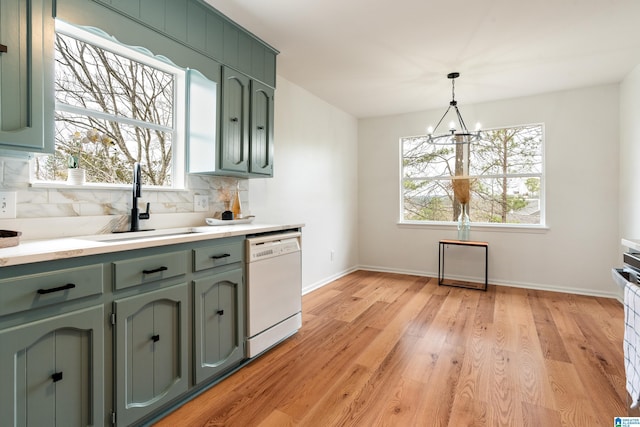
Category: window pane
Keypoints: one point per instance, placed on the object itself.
(505, 200)
(428, 200)
(112, 111)
(92, 78)
(427, 160)
(507, 151)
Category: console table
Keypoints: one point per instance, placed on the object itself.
(443, 245)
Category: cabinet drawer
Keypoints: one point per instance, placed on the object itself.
(137, 271)
(217, 255)
(54, 287)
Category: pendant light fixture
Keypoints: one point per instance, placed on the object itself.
(457, 134)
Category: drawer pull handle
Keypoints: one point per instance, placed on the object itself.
(220, 312)
(56, 377)
(220, 256)
(155, 270)
(155, 338)
(58, 289)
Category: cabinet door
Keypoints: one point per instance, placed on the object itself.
(52, 371)
(218, 323)
(26, 75)
(234, 142)
(151, 351)
(261, 129)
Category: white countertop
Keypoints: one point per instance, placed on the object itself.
(631, 244)
(47, 250)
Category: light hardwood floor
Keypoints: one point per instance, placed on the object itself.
(379, 349)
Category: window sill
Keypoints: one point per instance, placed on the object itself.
(508, 228)
(109, 187)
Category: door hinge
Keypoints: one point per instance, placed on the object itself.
(113, 318)
(113, 417)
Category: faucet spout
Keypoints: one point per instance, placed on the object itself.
(136, 216)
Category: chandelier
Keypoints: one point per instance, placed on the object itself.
(455, 135)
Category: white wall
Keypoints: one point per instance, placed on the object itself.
(315, 182)
(581, 244)
(630, 155)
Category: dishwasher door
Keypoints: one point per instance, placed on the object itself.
(273, 290)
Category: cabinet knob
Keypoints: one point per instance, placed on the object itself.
(220, 312)
(155, 338)
(260, 127)
(56, 377)
(3, 48)
(234, 119)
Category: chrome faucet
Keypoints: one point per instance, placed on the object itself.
(136, 216)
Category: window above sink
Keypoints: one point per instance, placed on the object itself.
(115, 105)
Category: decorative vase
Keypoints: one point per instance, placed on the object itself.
(236, 207)
(464, 224)
(75, 176)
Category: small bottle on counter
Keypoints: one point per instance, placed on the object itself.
(236, 208)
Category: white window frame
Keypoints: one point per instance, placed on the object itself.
(489, 225)
(99, 38)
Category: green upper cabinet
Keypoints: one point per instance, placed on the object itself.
(261, 143)
(244, 146)
(197, 25)
(26, 75)
(234, 141)
(230, 120)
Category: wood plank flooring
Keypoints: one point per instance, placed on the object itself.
(379, 349)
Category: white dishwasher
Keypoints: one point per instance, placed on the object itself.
(274, 289)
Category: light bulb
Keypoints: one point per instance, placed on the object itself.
(478, 127)
(452, 126)
(430, 130)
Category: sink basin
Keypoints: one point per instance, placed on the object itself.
(129, 236)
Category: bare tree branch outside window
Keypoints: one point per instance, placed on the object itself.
(505, 168)
(130, 103)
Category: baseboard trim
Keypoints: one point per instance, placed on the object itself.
(523, 285)
(327, 280)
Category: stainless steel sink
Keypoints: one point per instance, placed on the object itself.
(129, 236)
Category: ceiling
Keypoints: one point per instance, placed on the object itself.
(383, 57)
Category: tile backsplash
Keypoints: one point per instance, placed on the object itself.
(59, 211)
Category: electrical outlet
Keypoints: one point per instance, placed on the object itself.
(200, 203)
(8, 204)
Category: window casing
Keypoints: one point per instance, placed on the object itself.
(506, 172)
(132, 102)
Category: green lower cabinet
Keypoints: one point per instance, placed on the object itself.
(52, 371)
(218, 323)
(151, 361)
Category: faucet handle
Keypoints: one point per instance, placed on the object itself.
(145, 215)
